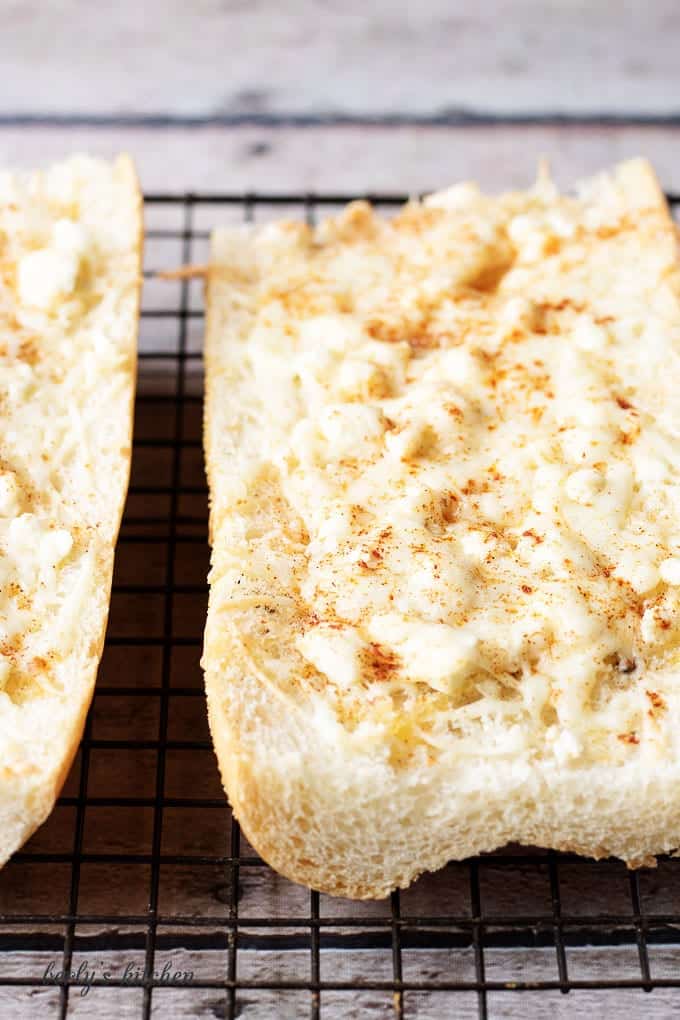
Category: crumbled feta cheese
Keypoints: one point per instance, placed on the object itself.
(335, 652)
(46, 274)
(670, 570)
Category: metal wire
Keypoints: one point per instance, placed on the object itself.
(481, 926)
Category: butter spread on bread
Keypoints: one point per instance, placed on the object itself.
(70, 245)
(444, 463)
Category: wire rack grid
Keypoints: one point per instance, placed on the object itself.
(141, 898)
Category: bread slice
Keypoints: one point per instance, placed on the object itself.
(70, 248)
(443, 454)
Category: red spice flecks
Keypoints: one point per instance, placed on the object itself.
(656, 700)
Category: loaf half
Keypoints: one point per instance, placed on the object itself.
(70, 247)
(443, 454)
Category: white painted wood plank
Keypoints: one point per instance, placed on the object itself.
(264, 1004)
(632, 1004)
(311, 56)
(348, 158)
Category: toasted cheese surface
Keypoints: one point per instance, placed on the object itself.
(69, 253)
(446, 483)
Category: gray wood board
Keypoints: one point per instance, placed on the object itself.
(354, 159)
(311, 57)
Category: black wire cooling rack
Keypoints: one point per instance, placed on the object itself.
(140, 897)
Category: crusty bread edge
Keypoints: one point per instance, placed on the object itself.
(25, 806)
(295, 817)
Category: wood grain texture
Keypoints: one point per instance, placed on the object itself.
(264, 1004)
(350, 159)
(309, 57)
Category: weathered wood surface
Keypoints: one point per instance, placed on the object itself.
(350, 159)
(310, 57)
(23, 1004)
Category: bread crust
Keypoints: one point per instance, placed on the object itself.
(28, 794)
(327, 814)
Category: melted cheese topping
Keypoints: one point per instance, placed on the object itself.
(453, 468)
(67, 296)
